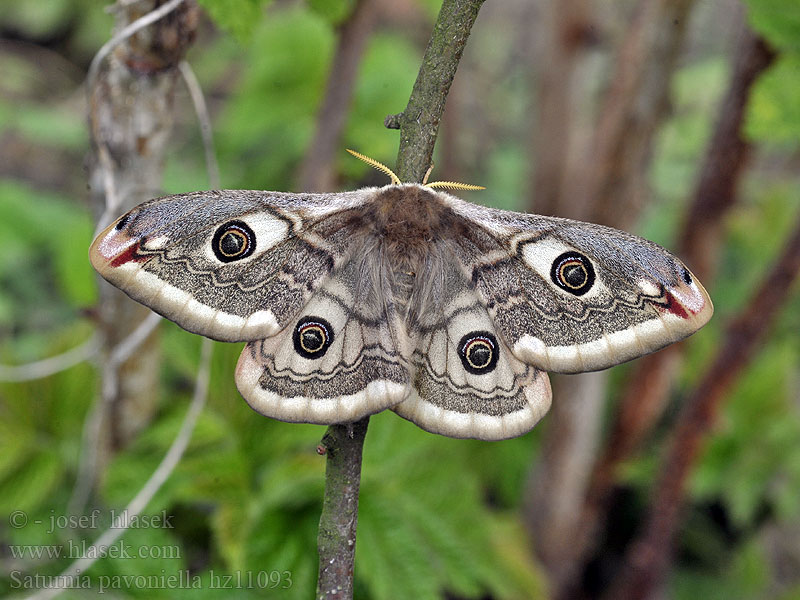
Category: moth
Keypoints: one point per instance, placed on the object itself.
(400, 297)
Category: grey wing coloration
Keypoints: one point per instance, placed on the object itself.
(230, 265)
(339, 361)
(245, 266)
(569, 297)
(399, 297)
(467, 383)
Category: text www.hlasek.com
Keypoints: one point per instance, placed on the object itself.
(76, 550)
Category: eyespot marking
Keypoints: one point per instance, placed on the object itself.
(478, 352)
(573, 272)
(233, 241)
(312, 337)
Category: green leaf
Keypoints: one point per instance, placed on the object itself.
(777, 20)
(747, 459)
(333, 11)
(15, 443)
(773, 113)
(239, 17)
(40, 226)
(267, 125)
(31, 484)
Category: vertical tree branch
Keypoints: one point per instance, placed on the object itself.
(556, 487)
(635, 108)
(336, 542)
(343, 444)
(419, 122)
(725, 160)
(565, 30)
(648, 556)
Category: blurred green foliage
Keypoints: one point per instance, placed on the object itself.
(239, 17)
(436, 514)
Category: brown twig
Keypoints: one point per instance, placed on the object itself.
(648, 556)
(336, 542)
(643, 401)
(564, 31)
(725, 160)
(634, 107)
(601, 182)
(343, 444)
(316, 172)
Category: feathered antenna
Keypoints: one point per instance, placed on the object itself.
(448, 185)
(375, 164)
(454, 185)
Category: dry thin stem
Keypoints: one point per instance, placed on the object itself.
(124, 349)
(204, 120)
(127, 32)
(130, 91)
(112, 199)
(90, 441)
(94, 422)
(50, 366)
(92, 429)
(153, 484)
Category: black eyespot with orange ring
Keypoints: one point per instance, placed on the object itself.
(233, 241)
(312, 337)
(478, 352)
(573, 272)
